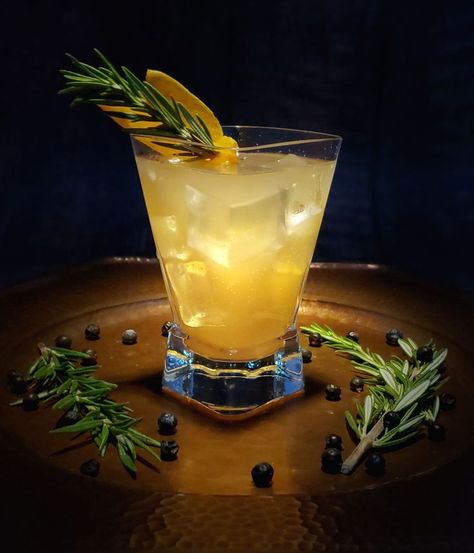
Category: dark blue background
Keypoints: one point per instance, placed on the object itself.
(395, 79)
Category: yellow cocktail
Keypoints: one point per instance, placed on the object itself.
(235, 242)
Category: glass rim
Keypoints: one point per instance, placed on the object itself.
(314, 137)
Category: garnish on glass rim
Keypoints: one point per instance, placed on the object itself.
(159, 111)
(405, 387)
(60, 383)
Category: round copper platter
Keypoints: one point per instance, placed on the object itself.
(205, 501)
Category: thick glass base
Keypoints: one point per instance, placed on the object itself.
(233, 389)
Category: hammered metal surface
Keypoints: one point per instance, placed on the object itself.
(205, 502)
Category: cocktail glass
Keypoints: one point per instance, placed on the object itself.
(235, 242)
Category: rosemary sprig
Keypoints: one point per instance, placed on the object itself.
(406, 386)
(173, 125)
(60, 383)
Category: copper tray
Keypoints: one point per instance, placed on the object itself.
(205, 501)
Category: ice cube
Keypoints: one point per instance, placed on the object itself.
(298, 212)
(170, 222)
(303, 200)
(234, 227)
(168, 238)
(192, 288)
(291, 160)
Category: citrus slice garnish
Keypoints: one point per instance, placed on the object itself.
(174, 90)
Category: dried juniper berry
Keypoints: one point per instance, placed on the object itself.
(391, 419)
(392, 336)
(92, 332)
(306, 355)
(375, 464)
(436, 432)
(167, 423)
(447, 401)
(165, 329)
(18, 385)
(129, 337)
(333, 392)
(353, 335)
(63, 341)
(315, 340)
(30, 402)
(12, 375)
(90, 468)
(169, 450)
(91, 360)
(331, 460)
(333, 441)
(424, 354)
(262, 475)
(442, 368)
(357, 384)
(69, 417)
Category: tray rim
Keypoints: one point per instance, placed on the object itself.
(405, 276)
